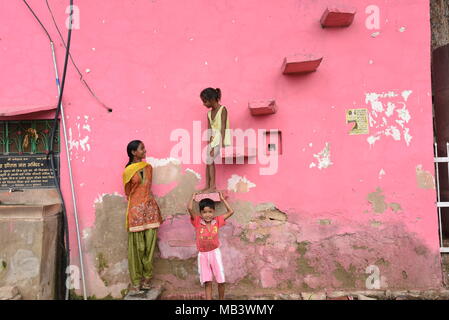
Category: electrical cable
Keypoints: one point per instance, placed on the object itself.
(66, 245)
(60, 110)
(73, 62)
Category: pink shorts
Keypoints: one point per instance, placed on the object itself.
(209, 263)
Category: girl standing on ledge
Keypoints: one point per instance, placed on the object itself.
(218, 126)
(143, 217)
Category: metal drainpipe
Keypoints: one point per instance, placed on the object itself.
(80, 250)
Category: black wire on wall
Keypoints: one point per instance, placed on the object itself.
(66, 262)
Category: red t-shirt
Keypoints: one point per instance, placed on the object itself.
(207, 240)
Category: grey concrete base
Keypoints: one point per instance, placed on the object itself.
(28, 254)
(152, 294)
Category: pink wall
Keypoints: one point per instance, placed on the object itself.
(149, 60)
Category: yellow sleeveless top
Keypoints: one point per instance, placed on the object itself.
(216, 129)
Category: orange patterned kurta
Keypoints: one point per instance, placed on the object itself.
(143, 210)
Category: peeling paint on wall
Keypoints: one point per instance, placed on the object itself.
(99, 198)
(269, 250)
(322, 158)
(375, 224)
(395, 207)
(175, 200)
(239, 184)
(82, 140)
(166, 170)
(378, 204)
(377, 200)
(155, 162)
(194, 172)
(424, 179)
(383, 107)
(106, 244)
(83, 143)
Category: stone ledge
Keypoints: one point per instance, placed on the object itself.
(337, 17)
(301, 64)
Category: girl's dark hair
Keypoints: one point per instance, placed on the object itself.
(211, 94)
(132, 146)
(207, 202)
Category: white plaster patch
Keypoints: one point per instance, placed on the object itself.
(406, 93)
(99, 198)
(401, 29)
(323, 158)
(87, 70)
(82, 142)
(390, 109)
(194, 172)
(394, 132)
(403, 114)
(375, 34)
(372, 139)
(235, 182)
(162, 162)
(381, 173)
(407, 136)
(86, 233)
(387, 118)
(78, 143)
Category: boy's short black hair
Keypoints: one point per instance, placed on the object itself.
(207, 202)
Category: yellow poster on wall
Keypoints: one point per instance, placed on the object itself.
(360, 118)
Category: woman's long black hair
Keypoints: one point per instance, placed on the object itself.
(132, 146)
